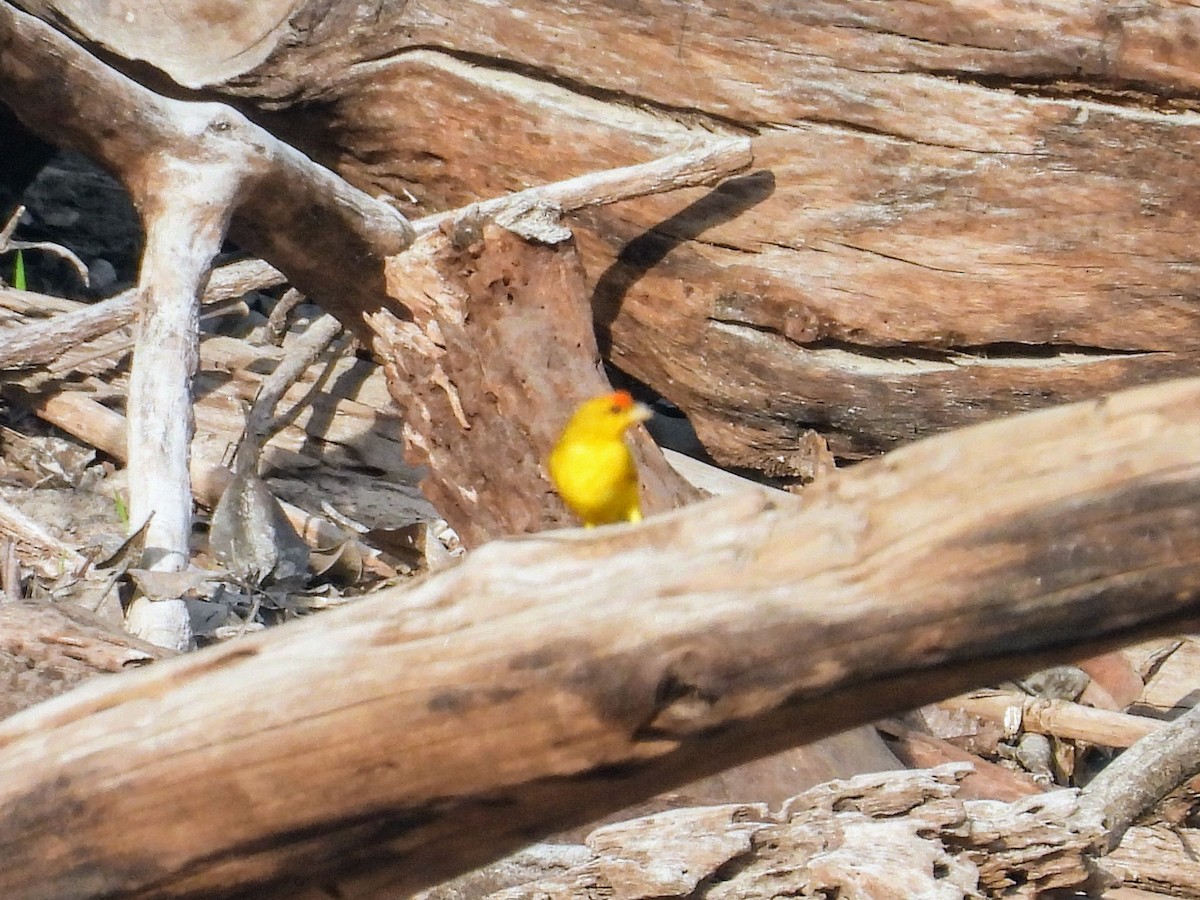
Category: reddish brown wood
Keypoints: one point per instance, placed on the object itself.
(961, 209)
(497, 353)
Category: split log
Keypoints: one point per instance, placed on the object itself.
(957, 213)
(550, 678)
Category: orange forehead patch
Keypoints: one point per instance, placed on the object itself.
(621, 400)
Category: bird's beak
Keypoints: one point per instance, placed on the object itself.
(640, 412)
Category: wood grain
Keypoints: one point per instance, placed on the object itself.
(961, 209)
(550, 678)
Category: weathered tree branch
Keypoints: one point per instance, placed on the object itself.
(65, 94)
(550, 678)
(189, 168)
(1144, 774)
(43, 342)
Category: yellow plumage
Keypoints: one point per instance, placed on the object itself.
(591, 465)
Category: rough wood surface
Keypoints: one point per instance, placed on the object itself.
(47, 649)
(550, 678)
(960, 210)
(496, 351)
(896, 836)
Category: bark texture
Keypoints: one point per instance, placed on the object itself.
(961, 209)
(548, 679)
(499, 348)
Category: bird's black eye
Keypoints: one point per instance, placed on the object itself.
(615, 409)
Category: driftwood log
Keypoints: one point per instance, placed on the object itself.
(956, 212)
(550, 678)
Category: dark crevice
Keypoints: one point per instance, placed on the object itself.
(1127, 93)
(860, 128)
(950, 353)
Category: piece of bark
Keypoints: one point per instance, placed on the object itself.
(496, 352)
(46, 649)
(901, 835)
(1171, 685)
(1115, 684)
(548, 679)
(1128, 893)
(46, 553)
(1158, 858)
(987, 780)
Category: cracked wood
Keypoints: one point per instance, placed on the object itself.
(550, 678)
(949, 176)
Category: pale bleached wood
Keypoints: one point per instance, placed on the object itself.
(190, 168)
(549, 678)
(1158, 858)
(1060, 718)
(106, 430)
(44, 342)
(59, 90)
(1145, 773)
(1170, 689)
(707, 164)
(186, 206)
(261, 422)
(50, 556)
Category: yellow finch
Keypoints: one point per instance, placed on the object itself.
(591, 464)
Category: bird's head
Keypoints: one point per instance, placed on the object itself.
(608, 416)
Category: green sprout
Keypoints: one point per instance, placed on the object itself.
(122, 509)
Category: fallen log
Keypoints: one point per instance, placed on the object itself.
(548, 679)
(956, 212)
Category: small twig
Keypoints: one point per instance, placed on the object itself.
(687, 168)
(1059, 718)
(277, 321)
(10, 572)
(10, 226)
(1139, 778)
(43, 342)
(7, 243)
(260, 422)
(58, 250)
